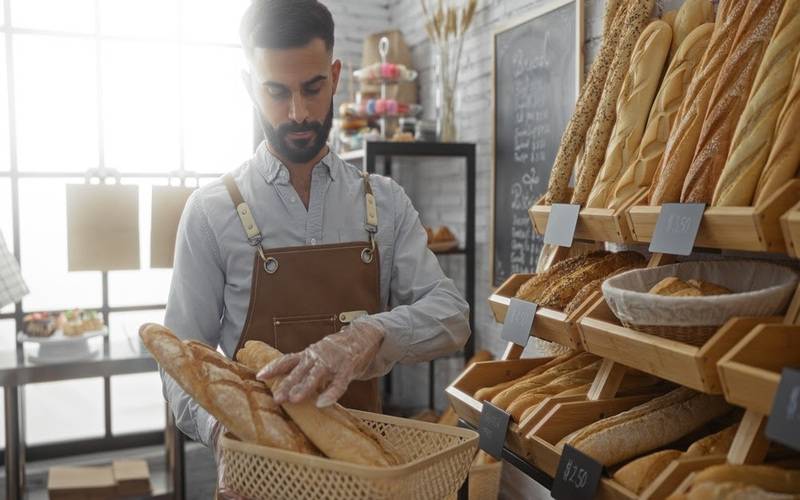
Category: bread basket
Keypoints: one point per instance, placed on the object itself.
(436, 459)
(760, 289)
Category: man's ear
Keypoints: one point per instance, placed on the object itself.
(336, 72)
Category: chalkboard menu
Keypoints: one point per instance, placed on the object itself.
(537, 73)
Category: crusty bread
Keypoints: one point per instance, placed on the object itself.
(770, 478)
(756, 128)
(537, 285)
(633, 107)
(337, 433)
(563, 383)
(708, 288)
(692, 14)
(668, 286)
(636, 20)
(682, 142)
(718, 443)
(227, 390)
(575, 132)
(731, 491)
(662, 115)
(668, 16)
(508, 395)
(784, 156)
(487, 393)
(638, 474)
(647, 427)
(728, 100)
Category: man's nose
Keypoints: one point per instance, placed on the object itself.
(298, 111)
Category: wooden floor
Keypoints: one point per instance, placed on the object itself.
(201, 473)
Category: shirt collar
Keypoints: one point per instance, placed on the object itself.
(274, 170)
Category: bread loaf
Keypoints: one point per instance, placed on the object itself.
(784, 156)
(708, 288)
(665, 108)
(755, 131)
(337, 433)
(640, 473)
(575, 132)
(669, 18)
(487, 393)
(563, 383)
(767, 477)
(682, 142)
(648, 426)
(731, 491)
(692, 14)
(227, 390)
(596, 143)
(537, 286)
(633, 107)
(729, 99)
(715, 444)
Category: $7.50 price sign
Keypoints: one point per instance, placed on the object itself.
(575, 475)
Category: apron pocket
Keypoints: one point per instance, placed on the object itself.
(295, 333)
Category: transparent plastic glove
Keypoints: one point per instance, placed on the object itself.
(223, 493)
(326, 367)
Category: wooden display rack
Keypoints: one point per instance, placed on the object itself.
(790, 224)
(594, 224)
(755, 229)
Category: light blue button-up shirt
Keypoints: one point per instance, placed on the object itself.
(425, 317)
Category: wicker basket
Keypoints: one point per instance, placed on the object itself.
(692, 335)
(436, 462)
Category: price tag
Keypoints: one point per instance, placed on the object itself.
(676, 228)
(577, 476)
(783, 425)
(561, 224)
(492, 429)
(519, 321)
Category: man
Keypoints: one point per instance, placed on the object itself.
(299, 249)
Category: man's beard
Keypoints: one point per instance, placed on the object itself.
(298, 151)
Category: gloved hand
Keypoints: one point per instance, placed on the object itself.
(325, 367)
(223, 493)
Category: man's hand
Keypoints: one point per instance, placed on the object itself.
(326, 367)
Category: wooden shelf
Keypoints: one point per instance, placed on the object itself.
(684, 364)
(790, 224)
(731, 228)
(548, 324)
(751, 371)
(594, 224)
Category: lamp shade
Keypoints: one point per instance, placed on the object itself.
(12, 287)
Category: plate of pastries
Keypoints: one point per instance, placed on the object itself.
(63, 326)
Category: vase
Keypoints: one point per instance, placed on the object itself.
(446, 81)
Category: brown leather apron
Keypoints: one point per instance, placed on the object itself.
(298, 295)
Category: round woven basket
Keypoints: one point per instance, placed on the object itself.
(436, 459)
(692, 335)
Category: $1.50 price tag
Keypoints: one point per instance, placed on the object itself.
(519, 321)
(676, 228)
(577, 476)
(784, 420)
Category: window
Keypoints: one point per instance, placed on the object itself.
(146, 88)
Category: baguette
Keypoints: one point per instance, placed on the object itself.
(770, 478)
(647, 427)
(593, 287)
(575, 132)
(566, 382)
(692, 14)
(536, 286)
(729, 99)
(488, 393)
(680, 147)
(597, 141)
(732, 491)
(225, 389)
(715, 444)
(669, 18)
(662, 116)
(507, 396)
(756, 128)
(638, 474)
(633, 107)
(784, 156)
(337, 433)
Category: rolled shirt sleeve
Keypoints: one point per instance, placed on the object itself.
(428, 317)
(194, 308)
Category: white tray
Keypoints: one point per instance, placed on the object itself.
(58, 337)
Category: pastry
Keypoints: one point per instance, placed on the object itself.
(39, 324)
(728, 100)
(756, 130)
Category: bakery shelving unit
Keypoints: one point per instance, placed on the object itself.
(390, 150)
(742, 360)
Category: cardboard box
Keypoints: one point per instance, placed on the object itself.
(81, 483)
(132, 477)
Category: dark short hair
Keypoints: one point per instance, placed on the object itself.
(285, 24)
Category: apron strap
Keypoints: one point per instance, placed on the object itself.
(371, 222)
(243, 211)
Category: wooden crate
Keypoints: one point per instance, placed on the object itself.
(751, 371)
(731, 228)
(790, 224)
(694, 367)
(548, 324)
(676, 473)
(594, 224)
